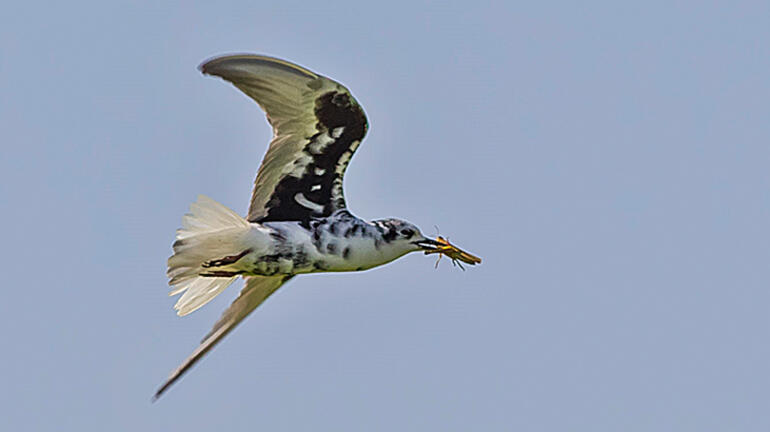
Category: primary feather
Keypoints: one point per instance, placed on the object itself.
(257, 290)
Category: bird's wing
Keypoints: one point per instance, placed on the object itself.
(317, 126)
(257, 289)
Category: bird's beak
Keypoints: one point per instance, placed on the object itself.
(427, 244)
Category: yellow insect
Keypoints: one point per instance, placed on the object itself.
(454, 253)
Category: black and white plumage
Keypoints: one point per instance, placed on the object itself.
(317, 127)
(297, 221)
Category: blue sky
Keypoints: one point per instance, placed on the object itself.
(609, 162)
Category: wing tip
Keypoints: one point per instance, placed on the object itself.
(222, 64)
(162, 389)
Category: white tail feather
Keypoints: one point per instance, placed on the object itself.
(210, 231)
(200, 291)
(207, 216)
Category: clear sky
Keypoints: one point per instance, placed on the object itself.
(610, 163)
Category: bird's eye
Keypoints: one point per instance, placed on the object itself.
(407, 232)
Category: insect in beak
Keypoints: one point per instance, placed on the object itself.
(442, 247)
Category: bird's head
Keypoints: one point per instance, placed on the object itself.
(401, 233)
(408, 236)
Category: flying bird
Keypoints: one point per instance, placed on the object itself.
(297, 221)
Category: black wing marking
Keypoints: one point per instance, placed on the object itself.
(317, 126)
(321, 180)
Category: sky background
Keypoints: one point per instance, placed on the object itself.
(609, 162)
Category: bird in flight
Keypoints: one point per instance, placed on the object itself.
(298, 221)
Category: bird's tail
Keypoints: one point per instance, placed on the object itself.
(212, 238)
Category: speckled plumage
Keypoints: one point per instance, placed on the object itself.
(338, 243)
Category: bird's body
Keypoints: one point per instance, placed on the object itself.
(298, 221)
(339, 243)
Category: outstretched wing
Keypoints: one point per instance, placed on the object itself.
(317, 126)
(257, 289)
